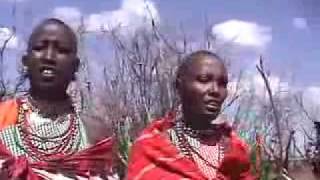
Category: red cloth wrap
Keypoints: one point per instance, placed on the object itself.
(153, 156)
(96, 159)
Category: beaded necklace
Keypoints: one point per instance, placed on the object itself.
(184, 137)
(61, 136)
(52, 110)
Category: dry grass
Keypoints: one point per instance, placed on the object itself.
(303, 172)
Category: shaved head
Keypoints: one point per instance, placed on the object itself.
(201, 82)
(55, 21)
(188, 60)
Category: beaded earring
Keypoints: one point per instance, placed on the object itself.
(25, 71)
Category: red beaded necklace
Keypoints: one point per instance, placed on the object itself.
(36, 145)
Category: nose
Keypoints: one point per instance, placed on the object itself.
(214, 89)
(50, 53)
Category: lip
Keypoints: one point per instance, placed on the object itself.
(48, 72)
(212, 108)
(213, 105)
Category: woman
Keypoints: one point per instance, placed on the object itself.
(193, 143)
(41, 133)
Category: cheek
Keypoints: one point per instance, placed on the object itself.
(33, 59)
(67, 61)
(66, 65)
(33, 66)
(193, 94)
(35, 54)
(224, 93)
(200, 89)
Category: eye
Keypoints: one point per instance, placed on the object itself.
(204, 78)
(223, 83)
(64, 50)
(38, 47)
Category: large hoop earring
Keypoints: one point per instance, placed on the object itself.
(25, 71)
(74, 77)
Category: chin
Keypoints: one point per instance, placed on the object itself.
(211, 114)
(207, 118)
(47, 85)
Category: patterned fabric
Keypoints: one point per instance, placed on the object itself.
(11, 137)
(95, 160)
(154, 156)
(211, 153)
(83, 162)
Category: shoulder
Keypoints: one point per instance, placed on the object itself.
(7, 104)
(239, 143)
(8, 113)
(154, 135)
(157, 126)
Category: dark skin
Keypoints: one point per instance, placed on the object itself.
(202, 88)
(53, 46)
(52, 61)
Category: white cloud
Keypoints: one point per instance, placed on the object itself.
(132, 15)
(300, 23)
(253, 83)
(5, 34)
(276, 84)
(312, 94)
(70, 15)
(311, 101)
(243, 33)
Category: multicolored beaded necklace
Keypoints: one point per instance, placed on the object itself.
(190, 144)
(61, 137)
(182, 132)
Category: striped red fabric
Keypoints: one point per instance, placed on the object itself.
(96, 160)
(153, 156)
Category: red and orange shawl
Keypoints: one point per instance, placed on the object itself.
(153, 156)
(93, 160)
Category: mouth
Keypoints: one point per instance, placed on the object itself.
(48, 72)
(213, 106)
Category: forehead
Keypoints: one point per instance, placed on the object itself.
(53, 31)
(207, 65)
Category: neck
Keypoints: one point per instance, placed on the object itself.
(207, 132)
(197, 122)
(51, 104)
(48, 96)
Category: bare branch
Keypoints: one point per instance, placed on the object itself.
(263, 74)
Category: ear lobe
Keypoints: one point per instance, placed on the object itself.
(76, 64)
(24, 60)
(178, 84)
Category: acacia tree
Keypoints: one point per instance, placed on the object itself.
(9, 88)
(277, 119)
(139, 85)
(3, 82)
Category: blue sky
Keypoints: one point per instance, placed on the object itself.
(286, 32)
